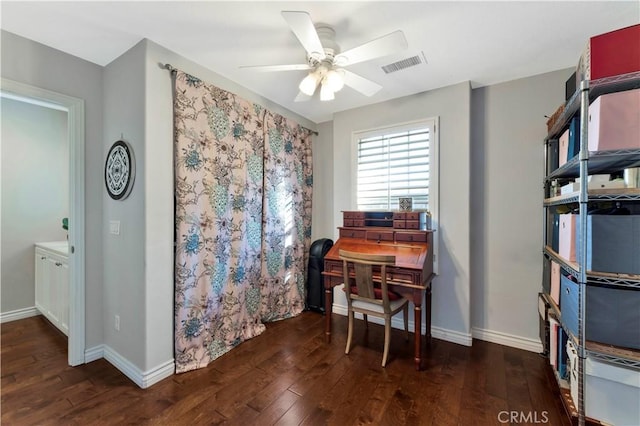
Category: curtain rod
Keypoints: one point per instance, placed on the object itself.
(172, 69)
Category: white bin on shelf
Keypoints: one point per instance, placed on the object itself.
(612, 393)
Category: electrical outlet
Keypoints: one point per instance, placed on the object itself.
(114, 227)
(116, 323)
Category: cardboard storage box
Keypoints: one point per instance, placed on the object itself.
(572, 360)
(611, 392)
(594, 182)
(567, 236)
(569, 143)
(614, 121)
(563, 148)
(554, 327)
(610, 54)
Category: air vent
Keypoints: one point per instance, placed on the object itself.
(403, 64)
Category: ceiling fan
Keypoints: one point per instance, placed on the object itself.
(326, 63)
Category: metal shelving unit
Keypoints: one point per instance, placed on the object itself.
(626, 194)
(582, 165)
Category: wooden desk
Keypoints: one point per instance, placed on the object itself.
(411, 277)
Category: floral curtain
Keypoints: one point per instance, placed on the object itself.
(243, 178)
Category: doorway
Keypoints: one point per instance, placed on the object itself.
(76, 235)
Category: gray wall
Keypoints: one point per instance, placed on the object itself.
(322, 207)
(508, 129)
(35, 193)
(452, 104)
(32, 63)
(124, 254)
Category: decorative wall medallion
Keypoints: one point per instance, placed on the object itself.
(119, 170)
(406, 204)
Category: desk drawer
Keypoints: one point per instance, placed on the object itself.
(394, 274)
(413, 216)
(412, 224)
(353, 223)
(333, 267)
(380, 235)
(399, 224)
(411, 237)
(352, 233)
(353, 215)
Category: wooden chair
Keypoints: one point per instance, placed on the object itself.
(366, 298)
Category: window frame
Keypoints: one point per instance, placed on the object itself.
(432, 123)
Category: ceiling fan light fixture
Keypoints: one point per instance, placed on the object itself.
(308, 84)
(326, 94)
(335, 80)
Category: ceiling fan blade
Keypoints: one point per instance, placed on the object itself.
(361, 84)
(302, 97)
(270, 68)
(302, 26)
(382, 46)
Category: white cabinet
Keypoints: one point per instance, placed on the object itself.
(52, 283)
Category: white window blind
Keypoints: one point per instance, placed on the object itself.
(393, 164)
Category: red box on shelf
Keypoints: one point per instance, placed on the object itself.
(610, 54)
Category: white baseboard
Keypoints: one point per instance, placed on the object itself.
(452, 336)
(143, 379)
(532, 345)
(159, 372)
(93, 354)
(18, 314)
(397, 322)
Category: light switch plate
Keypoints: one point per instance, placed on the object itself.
(114, 227)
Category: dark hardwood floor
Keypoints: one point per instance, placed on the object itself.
(286, 376)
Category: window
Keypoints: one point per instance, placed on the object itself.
(396, 162)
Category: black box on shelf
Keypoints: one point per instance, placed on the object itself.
(546, 276)
(553, 155)
(570, 86)
(544, 326)
(563, 357)
(555, 232)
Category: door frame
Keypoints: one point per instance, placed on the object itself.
(76, 231)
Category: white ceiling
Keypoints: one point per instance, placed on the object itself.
(481, 42)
